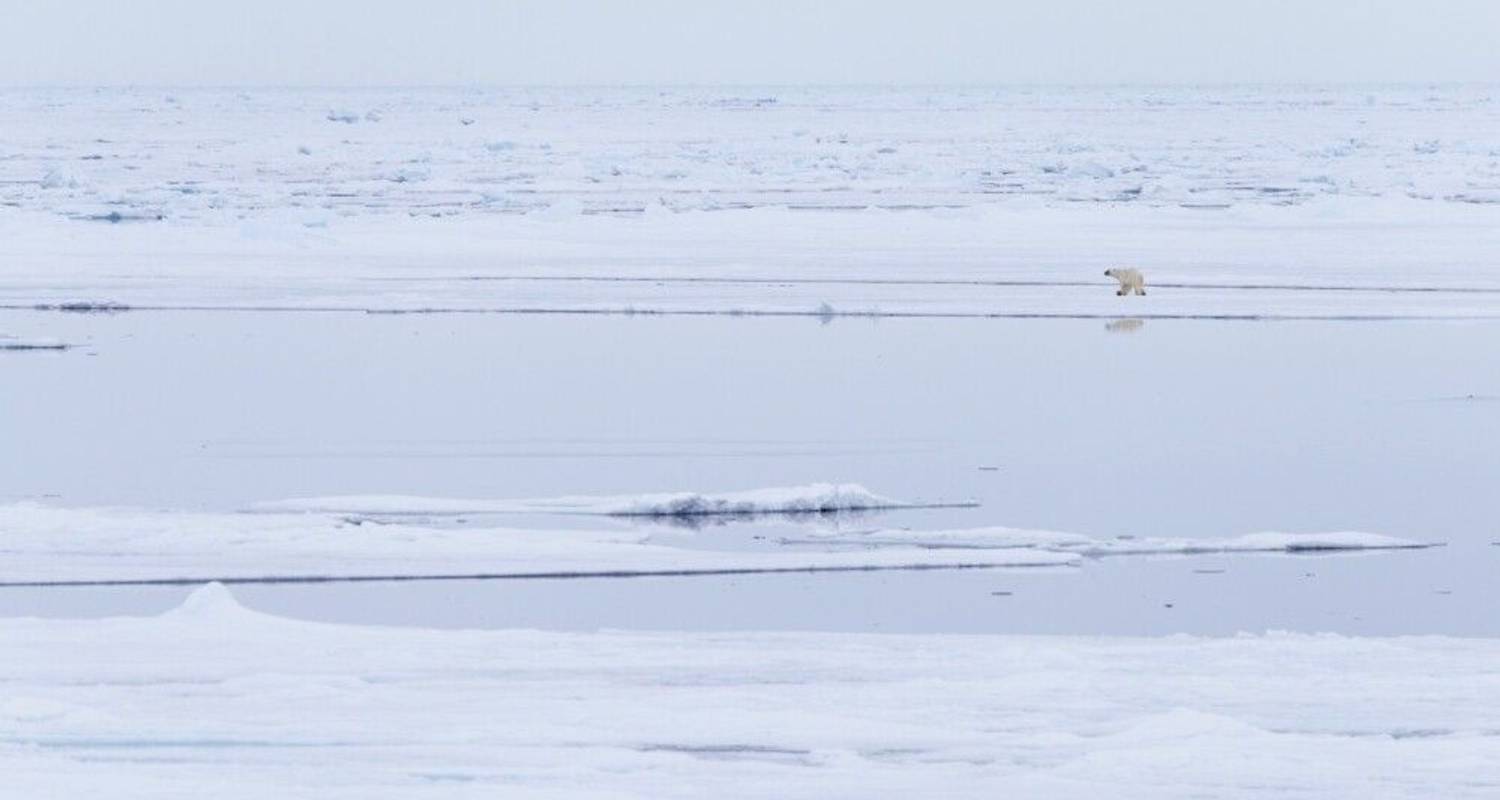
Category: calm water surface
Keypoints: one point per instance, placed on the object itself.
(1167, 428)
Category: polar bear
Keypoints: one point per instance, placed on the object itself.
(1131, 281)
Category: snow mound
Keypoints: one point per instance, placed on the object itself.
(209, 601)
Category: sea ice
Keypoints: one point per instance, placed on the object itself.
(45, 544)
(1239, 203)
(384, 538)
(213, 699)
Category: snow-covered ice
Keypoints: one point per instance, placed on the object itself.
(1237, 203)
(215, 699)
(48, 544)
(1253, 203)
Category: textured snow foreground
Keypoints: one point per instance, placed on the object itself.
(214, 700)
(44, 544)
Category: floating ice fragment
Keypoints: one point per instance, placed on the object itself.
(8, 342)
(1002, 538)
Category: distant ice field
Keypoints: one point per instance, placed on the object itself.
(202, 155)
(1317, 202)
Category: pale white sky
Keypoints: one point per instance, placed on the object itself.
(367, 42)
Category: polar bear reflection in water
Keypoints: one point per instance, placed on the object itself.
(1131, 281)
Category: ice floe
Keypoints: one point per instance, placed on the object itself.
(1242, 203)
(214, 699)
(47, 544)
(998, 538)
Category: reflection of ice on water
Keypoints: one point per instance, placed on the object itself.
(829, 519)
(1130, 325)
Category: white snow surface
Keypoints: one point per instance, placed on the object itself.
(811, 499)
(214, 700)
(45, 544)
(1321, 202)
(50, 544)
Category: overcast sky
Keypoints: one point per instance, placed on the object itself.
(367, 42)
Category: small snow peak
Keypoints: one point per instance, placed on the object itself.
(210, 599)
